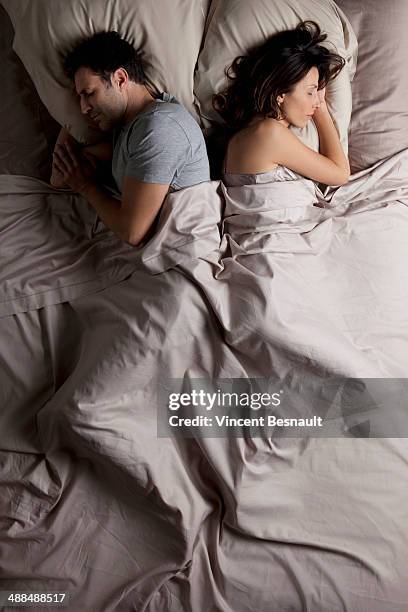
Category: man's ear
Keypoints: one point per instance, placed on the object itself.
(120, 77)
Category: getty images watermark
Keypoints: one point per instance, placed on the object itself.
(296, 406)
(232, 408)
(219, 400)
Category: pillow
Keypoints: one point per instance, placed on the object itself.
(379, 121)
(168, 32)
(234, 26)
(27, 131)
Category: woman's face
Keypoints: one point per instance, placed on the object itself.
(299, 104)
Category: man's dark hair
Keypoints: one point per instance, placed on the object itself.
(104, 53)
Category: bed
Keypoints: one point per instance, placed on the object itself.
(302, 288)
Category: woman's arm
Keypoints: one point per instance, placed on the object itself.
(330, 145)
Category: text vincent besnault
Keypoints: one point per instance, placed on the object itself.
(261, 421)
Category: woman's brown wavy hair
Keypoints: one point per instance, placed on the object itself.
(271, 69)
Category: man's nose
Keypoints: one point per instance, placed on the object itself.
(85, 106)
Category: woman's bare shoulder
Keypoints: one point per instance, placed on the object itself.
(262, 128)
(251, 150)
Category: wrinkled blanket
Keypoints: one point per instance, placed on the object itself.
(254, 281)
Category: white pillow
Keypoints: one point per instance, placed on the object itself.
(168, 32)
(233, 26)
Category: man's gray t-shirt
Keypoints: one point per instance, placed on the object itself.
(163, 144)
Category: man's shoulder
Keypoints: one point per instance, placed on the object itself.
(169, 109)
(167, 120)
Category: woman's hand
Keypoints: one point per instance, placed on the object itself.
(322, 102)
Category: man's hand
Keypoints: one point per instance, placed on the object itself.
(75, 171)
(56, 179)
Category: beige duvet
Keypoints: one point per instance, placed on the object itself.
(94, 504)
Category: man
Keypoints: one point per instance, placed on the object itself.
(157, 145)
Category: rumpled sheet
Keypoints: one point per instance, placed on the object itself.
(252, 281)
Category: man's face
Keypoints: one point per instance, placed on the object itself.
(103, 103)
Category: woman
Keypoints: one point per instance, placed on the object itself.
(279, 84)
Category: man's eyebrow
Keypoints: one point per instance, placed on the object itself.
(83, 91)
(312, 86)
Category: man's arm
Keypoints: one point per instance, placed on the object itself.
(102, 151)
(131, 218)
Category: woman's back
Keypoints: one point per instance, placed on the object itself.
(249, 150)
